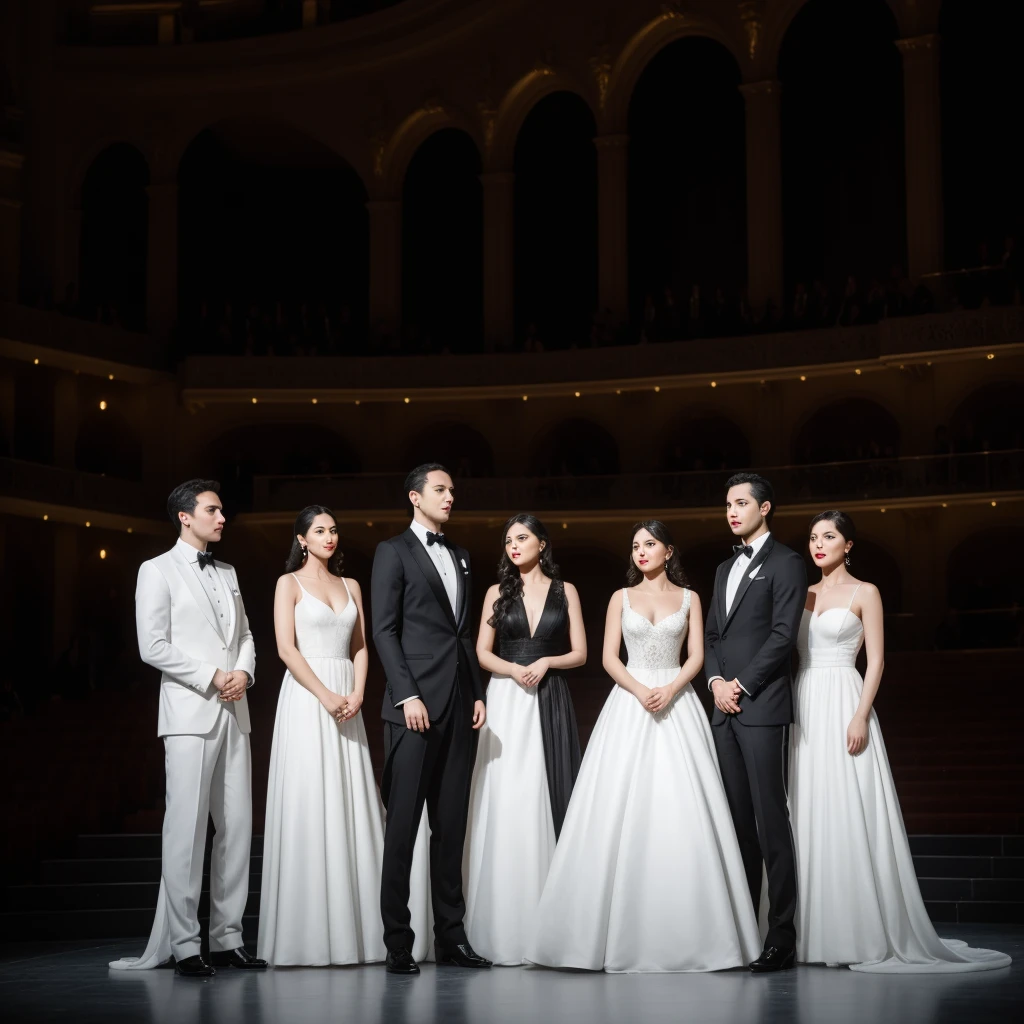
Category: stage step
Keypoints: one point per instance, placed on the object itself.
(109, 889)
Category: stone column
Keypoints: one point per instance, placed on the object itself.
(385, 264)
(499, 259)
(764, 193)
(162, 260)
(65, 420)
(613, 225)
(923, 153)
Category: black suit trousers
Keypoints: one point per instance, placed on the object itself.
(433, 768)
(754, 761)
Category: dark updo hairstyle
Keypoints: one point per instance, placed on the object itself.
(841, 521)
(673, 566)
(510, 582)
(303, 521)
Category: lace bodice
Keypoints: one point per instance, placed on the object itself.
(654, 645)
(831, 638)
(320, 632)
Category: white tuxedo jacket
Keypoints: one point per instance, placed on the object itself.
(179, 635)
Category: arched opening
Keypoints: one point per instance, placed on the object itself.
(844, 207)
(274, 245)
(465, 451)
(107, 443)
(827, 435)
(556, 223)
(989, 419)
(115, 227)
(705, 443)
(576, 447)
(442, 245)
(984, 599)
(984, 206)
(687, 192)
(275, 449)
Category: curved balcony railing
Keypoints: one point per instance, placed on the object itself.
(829, 483)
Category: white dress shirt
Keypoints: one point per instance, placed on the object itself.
(221, 599)
(444, 561)
(743, 564)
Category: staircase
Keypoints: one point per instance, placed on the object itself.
(109, 889)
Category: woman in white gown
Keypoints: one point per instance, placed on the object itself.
(324, 834)
(529, 752)
(647, 875)
(860, 903)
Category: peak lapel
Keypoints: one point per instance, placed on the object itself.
(199, 595)
(430, 574)
(757, 562)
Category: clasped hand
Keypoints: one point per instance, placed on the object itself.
(531, 675)
(232, 685)
(658, 698)
(727, 696)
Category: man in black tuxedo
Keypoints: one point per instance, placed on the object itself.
(751, 627)
(433, 702)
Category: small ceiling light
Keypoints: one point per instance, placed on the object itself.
(881, 510)
(369, 522)
(103, 404)
(857, 371)
(993, 504)
(129, 529)
(762, 380)
(657, 387)
(406, 400)
(35, 362)
(565, 526)
(803, 376)
(991, 355)
(45, 517)
(577, 394)
(714, 383)
(87, 523)
(254, 399)
(110, 376)
(357, 401)
(618, 391)
(313, 400)
(103, 552)
(944, 505)
(525, 397)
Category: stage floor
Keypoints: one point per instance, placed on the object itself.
(70, 981)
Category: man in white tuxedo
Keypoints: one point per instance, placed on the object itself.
(192, 627)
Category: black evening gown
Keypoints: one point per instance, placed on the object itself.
(557, 718)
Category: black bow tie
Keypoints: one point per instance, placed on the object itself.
(435, 538)
(743, 549)
(204, 558)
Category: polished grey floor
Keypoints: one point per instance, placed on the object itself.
(70, 981)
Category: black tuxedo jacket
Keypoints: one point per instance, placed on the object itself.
(753, 642)
(422, 645)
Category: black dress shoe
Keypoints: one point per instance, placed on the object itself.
(462, 955)
(194, 967)
(774, 959)
(238, 958)
(400, 961)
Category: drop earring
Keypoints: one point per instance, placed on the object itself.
(847, 560)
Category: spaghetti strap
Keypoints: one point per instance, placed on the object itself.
(625, 597)
(297, 580)
(347, 591)
(852, 596)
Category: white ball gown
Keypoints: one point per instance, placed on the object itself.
(526, 764)
(860, 903)
(324, 835)
(647, 875)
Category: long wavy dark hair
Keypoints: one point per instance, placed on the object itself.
(303, 521)
(510, 582)
(673, 567)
